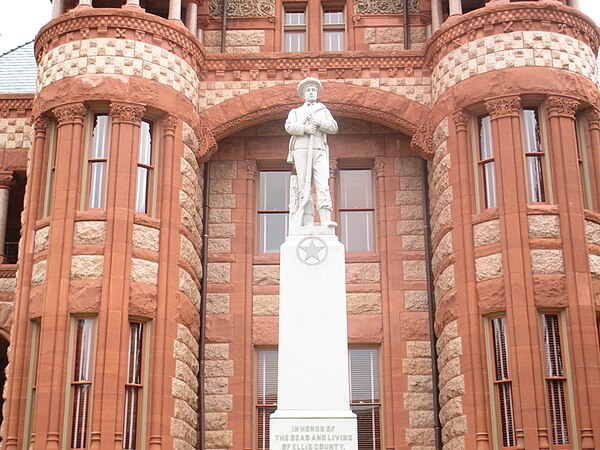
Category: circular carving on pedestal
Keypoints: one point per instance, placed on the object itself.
(312, 250)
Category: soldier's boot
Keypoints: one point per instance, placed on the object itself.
(325, 215)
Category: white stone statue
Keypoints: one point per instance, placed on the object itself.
(309, 126)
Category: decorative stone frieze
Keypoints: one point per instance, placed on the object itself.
(70, 113)
(503, 106)
(243, 8)
(562, 106)
(127, 112)
(15, 107)
(369, 7)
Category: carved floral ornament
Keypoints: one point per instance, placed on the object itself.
(6, 180)
(365, 7)
(169, 122)
(460, 118)
(503, 106)
(243, 8)
(127, 112)
(71, 113)
(562, 106)
(422, 141)
(41, 123)
(207, 144)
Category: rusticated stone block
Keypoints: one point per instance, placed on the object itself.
(41, 240)
(445, 282)
(363, 303)
(425, 436)
(265, 305)
(218, 272)
(543, 226)
(407, 166)
(219, 245)
(418, 401)
(218, 403)
(420, 383)
(488, 267)
(266, 275)
(88, 267)
(216, 385)
(188, 286)
(215, 421)
(219, 215)
(217, 303)
(218, 368)
(547, 261)
(144, 271)
(8, 284)
(415, 301)
(414, 243)
(486, 233)
(223, 170)
(216, 352)
(219, 439)
(363, 273)
(146, 237)
(89, 232)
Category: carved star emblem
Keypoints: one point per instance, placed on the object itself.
(312, 250)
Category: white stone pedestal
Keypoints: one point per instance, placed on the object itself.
(313, 405)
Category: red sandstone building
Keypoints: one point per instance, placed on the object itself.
(146, 178)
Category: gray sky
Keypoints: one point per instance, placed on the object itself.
(20, 20)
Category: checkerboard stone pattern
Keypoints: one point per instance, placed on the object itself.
(15, 133)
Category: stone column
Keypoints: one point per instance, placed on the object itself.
(58, 7)
(455, 7)
(85, 4)
(579, 290)
(592, 116)
(191, 16)
(6, 182)
(20, 339)
(132, 4)
(175, 10)
(333, 167)
(521, 312)
(436, 15)
(576, 4)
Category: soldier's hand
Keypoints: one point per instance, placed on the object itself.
(311, 128)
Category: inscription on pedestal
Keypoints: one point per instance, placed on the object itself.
(313, 437)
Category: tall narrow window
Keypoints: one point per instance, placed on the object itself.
(582, 161)
(598, 328)
(97, 162)
(294, 29)
(133, 387)
(81, 386)
(363, 367)
(266, 403)
(334, 29)
(487, 167)
(503, 382)
(51, 171)
(273, 210)
(33, 382)
(356, 210)
(534, 156)
(145, 169)
(556, 379)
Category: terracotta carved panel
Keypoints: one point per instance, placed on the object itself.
(243, 8)
(384, 7)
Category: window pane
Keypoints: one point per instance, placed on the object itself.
(273, 231)
(145, 156)
(364, 375)
(489, 184)
(368, 420)
(99, 137)
(357, 230)
(97, 174)
(485, 138)
(274, 191)
(333, 17)
(267, 394)
(333, 41)
(79, 422)
(141, 190)
(132, 396)
(294, 41)
(82, 368)
(294, 18)
(83, 350)
(535, 173)
(533, 142)
(356, 189)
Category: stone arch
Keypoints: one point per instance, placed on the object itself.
(385, 108)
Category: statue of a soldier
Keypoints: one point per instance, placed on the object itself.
(309, 126)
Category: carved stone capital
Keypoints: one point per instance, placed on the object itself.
(127, 112)
(41, 124)
(7, 180)
(251, 169)
(503, 106)
(379, 167)
(561, 106)
(70, 113)
(169, 122)
(461, 118)
(592, 115)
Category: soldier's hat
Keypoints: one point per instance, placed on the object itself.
(307, 82)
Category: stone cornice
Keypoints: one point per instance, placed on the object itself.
(119, 23)
(8, 270)
(499, 18)
(334, 65)
(562, 106)
(16, 106)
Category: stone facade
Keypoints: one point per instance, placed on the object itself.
(442, 265)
